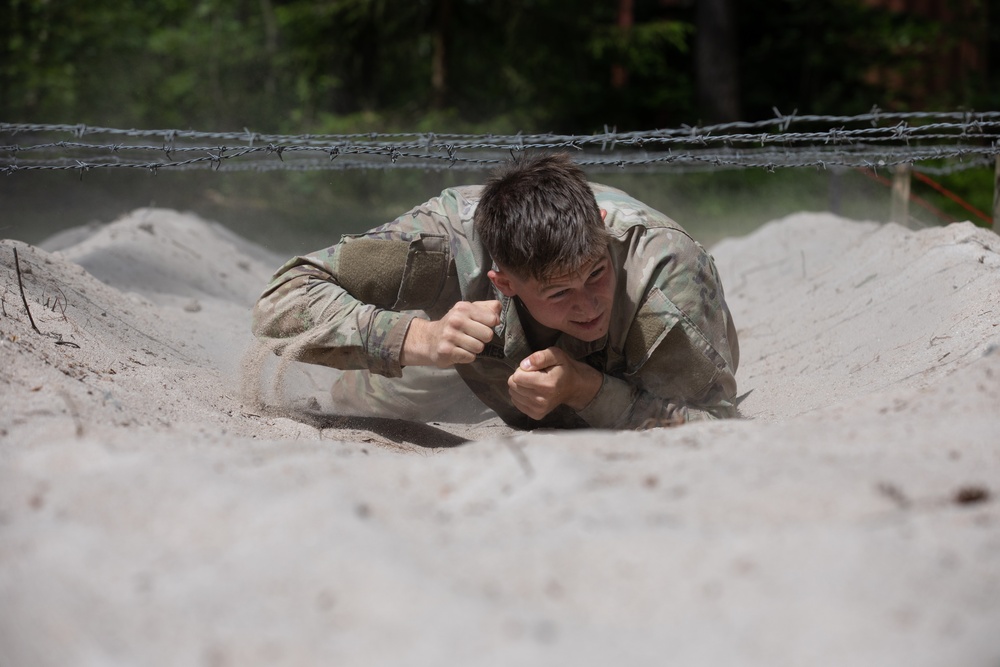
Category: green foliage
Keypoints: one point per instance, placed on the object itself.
(844, 56)
(313, 65)
(343, 66)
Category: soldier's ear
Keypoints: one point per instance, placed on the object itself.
(502, 282)
(604, 214)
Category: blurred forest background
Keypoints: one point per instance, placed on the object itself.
(500, 66)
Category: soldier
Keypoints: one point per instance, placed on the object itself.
(560, 303)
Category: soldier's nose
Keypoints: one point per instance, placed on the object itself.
(587, 307)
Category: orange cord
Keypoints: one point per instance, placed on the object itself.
(914, 198)
(952, 196)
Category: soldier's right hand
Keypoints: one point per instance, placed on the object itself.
(456, 338)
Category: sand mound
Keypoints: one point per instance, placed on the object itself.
(150, 515)
(830, 310)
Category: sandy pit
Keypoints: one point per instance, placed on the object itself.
(152, 514)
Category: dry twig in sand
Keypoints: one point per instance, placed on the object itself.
(24, 299)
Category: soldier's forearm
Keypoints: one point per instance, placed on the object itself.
(417, 344)
(620, 404)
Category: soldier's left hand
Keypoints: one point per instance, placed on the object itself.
(549, 378)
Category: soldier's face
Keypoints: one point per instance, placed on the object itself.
(577, 303)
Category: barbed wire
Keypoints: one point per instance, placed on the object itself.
(933, 142)
(781, 121)
(691, 161)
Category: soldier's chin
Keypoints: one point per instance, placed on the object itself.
(590, 331)
(590, 337)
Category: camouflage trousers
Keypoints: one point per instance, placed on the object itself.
(427, 394)
(423, 394)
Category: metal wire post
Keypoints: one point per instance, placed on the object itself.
(901, 194)
(996, 196)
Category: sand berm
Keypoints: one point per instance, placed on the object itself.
(152, 512)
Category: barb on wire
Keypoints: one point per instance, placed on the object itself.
(961, 140)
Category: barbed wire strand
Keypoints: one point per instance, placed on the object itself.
(936, 143)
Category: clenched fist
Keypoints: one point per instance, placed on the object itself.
(549, 378)
(456, 338)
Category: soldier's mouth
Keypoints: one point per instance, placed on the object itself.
(590, 324)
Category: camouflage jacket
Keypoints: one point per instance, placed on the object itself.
(669, 356)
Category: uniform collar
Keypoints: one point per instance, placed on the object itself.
(515, 341)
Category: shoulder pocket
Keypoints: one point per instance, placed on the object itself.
(406, 272)
(655, 318)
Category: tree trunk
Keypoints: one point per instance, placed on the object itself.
(270, 47)
(716, 62)
(439, 62)
(626, 17)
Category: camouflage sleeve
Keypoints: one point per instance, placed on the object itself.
(681, 351)
(344, 306)
(641, 404)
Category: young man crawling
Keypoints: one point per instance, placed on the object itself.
(560, 303)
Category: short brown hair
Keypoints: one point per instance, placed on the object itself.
(538, 216)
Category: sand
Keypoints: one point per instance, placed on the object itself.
(154, 512)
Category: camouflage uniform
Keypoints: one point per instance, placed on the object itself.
(669, 356)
